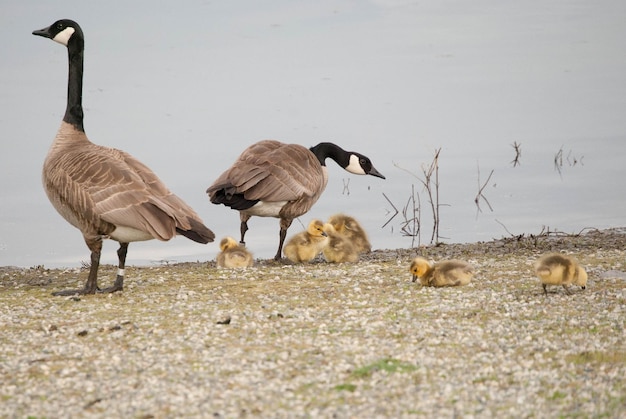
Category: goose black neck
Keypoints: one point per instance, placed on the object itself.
(329, 150)
(74, 111)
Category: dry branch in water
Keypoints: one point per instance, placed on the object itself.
(518, 153)
(480, 192)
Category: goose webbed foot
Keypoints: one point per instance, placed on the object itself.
(118, 285)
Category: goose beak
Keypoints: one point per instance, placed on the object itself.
(376, 173)
(324, 234)
(414, 278)
(42, 32)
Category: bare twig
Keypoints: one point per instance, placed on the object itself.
(394, 208)
(480, 194)
(346, 186)
(518, 153)
(432, 189)
(412, 225)
(558, 161)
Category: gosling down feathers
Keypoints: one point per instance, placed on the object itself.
(559, 269)
(104, 192)
(273, 179)
(447, 273)
(306, 245)
(339, 248)
(233, 255)
(349, 227)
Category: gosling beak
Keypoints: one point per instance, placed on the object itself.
(414, 278)
(584, 287)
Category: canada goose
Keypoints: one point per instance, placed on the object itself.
(339, 248)
(306, 245)
(104, 192)
(559, 269)
(350, 227)
(233, 255)
(447, 273)
(273, 179)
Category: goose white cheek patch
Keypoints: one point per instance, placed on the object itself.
(354, 166)
(64, 36)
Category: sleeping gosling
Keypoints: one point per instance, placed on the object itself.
(233, 255)
(447, 273)
(339, 248)
(558, 269)
(350, 227)
(306, 245)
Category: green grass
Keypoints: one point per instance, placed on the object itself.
(388, 365)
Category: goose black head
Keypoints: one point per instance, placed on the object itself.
(62, 31)
(361, 165)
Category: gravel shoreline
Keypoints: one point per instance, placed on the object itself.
(322, 340)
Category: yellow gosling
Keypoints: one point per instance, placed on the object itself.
(350, 227)
(339, 248)
(233, 255)
(559, 269)
(305, 246)
(447, 273)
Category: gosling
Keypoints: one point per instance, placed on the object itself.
(233, 255)
(350, 227)
(306, 245)
(339, 248)
(447, 273)
(558, 269)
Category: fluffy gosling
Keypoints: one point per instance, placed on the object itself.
(447, 273)
(306, 245)
(559, 269)
(339, 248)
(350, 227)
(233, 255)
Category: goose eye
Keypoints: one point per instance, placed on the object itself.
(363, 161)
(59, 25)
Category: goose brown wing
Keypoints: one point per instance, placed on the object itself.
(109, 187)
(272, 171)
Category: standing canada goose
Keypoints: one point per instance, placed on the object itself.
(350, 227)
(447, 273)
(104, 192)
(558, 269)
(233, 255)
(306, 245)
(273, 179)
(339, 248)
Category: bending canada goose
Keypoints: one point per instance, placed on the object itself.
(233, 255)
(273, 179)
(104, 192)
(339, 248)
(350, 227)
(306, 245)
(558, 269)
(447, 273)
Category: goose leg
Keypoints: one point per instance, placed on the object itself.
(545, 289)
(567, 290)
(95, 245)
(119, 280)
(244, 227)
(284, 225)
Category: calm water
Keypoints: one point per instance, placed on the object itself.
(588, 192)
(393, 80)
